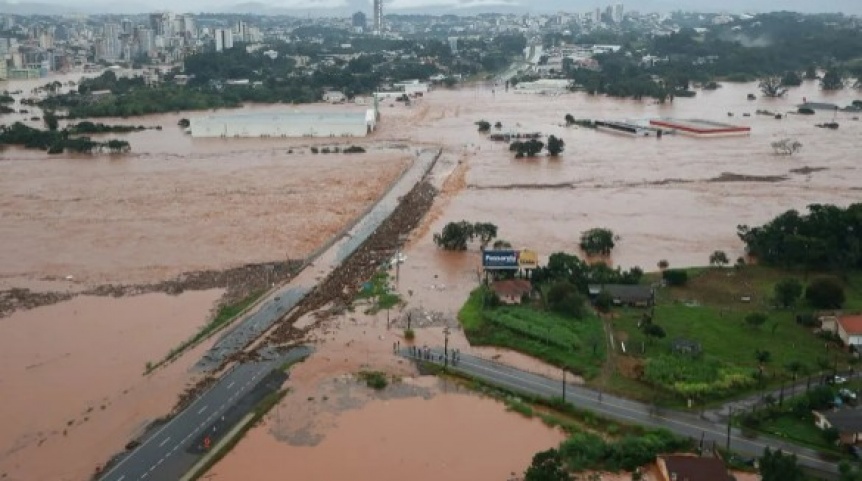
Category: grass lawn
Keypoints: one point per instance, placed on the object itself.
(710, 311)
(575, 344)
(800, 430)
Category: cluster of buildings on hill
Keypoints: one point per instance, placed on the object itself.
(35, 46)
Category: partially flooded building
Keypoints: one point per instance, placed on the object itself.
(358, 123)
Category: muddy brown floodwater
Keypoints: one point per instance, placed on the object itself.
(178, 204)
(411, 437)
(71, 376)
(665, 198)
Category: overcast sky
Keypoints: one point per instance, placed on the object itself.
(434, 6)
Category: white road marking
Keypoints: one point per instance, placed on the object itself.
(203, 409)
(165, 441)
(121, 478)
(231, 384)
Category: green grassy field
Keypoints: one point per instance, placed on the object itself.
(576, 344)
(710, 310)
(800, 430)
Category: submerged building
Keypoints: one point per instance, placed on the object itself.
(286, 124)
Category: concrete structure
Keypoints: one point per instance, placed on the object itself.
(544, 87)
(378, 17)
(412, 87)
(223, 39)
(850, 330)
(357, 123)
(359, 21)
(334, 96)
(701, 128)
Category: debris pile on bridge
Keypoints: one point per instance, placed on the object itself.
(340, 287)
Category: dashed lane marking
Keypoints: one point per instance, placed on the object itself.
(164, 442)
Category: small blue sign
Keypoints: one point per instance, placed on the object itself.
(500, 259)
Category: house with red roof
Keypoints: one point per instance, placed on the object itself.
(850, 330)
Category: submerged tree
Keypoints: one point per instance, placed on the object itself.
(832, 80)
(772, 86)
(597, 241)
(555, 146)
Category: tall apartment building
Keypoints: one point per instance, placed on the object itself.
(618, 13)
(112, 48)
(223, 39)
(378, 16)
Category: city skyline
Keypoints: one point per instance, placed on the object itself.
(344, 7)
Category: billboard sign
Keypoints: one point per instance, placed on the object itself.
(500, 259)
(528, 259)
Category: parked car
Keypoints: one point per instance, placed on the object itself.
(847, 394)
(854, 451)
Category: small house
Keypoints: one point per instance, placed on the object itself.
(511, 291)
(691, 468)
(848, 423)
(850, 330)
(687, 347)
(334, 96)
(634, 295)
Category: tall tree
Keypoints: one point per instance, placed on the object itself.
(777, 466)
(718, 259)
(787, 292)
(547, 466)
(832, 80)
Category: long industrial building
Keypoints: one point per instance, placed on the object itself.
(286, 124)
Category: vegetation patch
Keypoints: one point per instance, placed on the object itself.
(567, 342)
(374, 379)
(377, 291)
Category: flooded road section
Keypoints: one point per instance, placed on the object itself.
(71, 377)
(678, 198)
(418, 433)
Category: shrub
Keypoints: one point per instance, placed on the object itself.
(314, 150)
(675, 277)
(825, 293)
(374, 379)
(354, 149)
(409, 334)
(563, 297)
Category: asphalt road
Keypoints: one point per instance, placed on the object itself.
(171, 450)
(628, 411)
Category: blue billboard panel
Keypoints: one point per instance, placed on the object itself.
(500, 259)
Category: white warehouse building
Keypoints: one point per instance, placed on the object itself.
(286, 124)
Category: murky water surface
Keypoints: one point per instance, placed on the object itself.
(71, 377)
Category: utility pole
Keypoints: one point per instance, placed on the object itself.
(446, 346)
(729, 420)
(564, 385)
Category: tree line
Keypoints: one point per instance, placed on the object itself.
(826, 238)
(56, 141)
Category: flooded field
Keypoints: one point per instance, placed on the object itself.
(669, 198)
(71, 376)
(418, 435)
(178, 204)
